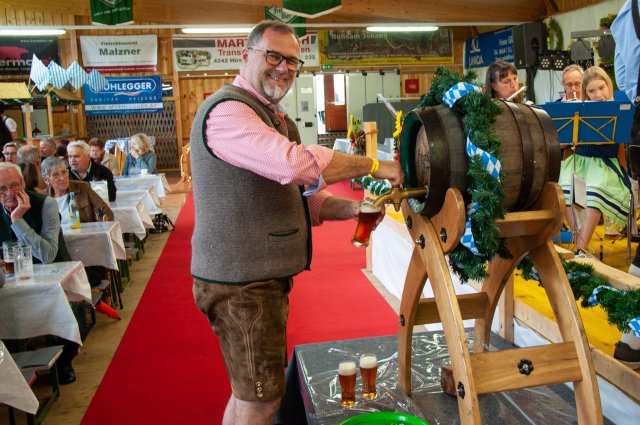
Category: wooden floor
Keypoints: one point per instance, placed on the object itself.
(102, 342)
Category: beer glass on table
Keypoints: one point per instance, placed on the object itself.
(23, 261)
(347, 377)
(369, 214)
(368, 372)
(7, 256)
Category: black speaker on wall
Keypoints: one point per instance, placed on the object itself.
(529, 41)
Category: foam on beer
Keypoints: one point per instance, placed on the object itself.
(347, 368)
(368, 208)
(368, 362)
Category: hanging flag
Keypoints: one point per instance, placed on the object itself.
(278, 14)
(39, 73)
(57, 75)
(311, 8)
(77, 75)
(112, 12)
(97, 82)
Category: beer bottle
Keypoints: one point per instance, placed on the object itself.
(74, 212)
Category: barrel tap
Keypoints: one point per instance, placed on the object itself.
(396, 195)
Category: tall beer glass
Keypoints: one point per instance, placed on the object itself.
(7, 255)
(347, 378)
(367, 218)
(368, 372)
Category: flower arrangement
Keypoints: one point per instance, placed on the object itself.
(357, 136)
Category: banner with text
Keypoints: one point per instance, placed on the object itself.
(278, 14)
(16, 53)
(125, 95)
(124, 53)
(483, 50)
(112, 12)
(225, 52)
(359, 47)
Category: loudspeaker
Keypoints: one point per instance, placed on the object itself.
(529, 41)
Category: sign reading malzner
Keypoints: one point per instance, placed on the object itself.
(135, 53)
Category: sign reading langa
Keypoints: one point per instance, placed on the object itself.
(125, 53)
(16, 53)
(125, 95)
(483, 50)
(225, 52)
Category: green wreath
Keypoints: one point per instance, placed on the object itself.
(555, 41)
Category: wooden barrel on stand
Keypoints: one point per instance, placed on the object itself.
(433, 154)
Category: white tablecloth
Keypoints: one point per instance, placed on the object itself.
(96, 244)
(14, 389)
(133, 217)
(157, 181)
(343, 145)
(40, 305)
(148, 196)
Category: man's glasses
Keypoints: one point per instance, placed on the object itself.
(12, 187)
(275, 59)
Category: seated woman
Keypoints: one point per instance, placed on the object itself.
(607, 190)
(501, 81)
(100, 156)
(141, 156)
(56, 176)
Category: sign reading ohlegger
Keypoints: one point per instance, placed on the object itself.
(129, 53)
(125, 95)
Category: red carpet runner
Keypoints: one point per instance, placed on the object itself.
(168, 368)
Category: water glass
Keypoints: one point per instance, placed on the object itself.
(23, 261)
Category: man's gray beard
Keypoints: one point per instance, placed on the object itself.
(274, 93)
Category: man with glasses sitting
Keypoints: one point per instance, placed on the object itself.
(10, 152)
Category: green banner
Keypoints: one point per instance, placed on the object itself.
(278, 14)
(112, 12)
(311, 8)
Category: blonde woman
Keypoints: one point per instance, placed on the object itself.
(607, 190)
(140, 157)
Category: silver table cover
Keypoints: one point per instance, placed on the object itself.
(133, 217)
(40, 305)
(157, 181)
(96, 243)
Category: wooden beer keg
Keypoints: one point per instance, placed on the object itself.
(432, 153)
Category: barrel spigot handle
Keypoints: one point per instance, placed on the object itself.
(396, 195)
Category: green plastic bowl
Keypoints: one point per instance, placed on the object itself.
(384, 418)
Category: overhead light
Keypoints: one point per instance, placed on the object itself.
(403, 28)
(33, 31)
(217, 30)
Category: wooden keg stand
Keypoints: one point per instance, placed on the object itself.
(527, 232)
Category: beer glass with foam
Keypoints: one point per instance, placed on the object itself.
(347, 377)
(7, 256)
(367, 218)
(368, 372)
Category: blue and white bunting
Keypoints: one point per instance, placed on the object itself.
(457, 92)
(489, 162)
(467, 239)
(634, 324)
(57, 75)
(593, 298)
(97, 82)
(78, 77)
(39, 73)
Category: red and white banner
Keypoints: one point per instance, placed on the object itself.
(225, 52)
(125, 53)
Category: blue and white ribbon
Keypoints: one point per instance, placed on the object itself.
(634, 324)
(377, 187)
(77, 75)
(457, 92)
(57, 75)
(490, 162)
(39, 73)
(97, 82)
(467, 239)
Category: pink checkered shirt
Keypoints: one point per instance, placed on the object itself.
(238, 136)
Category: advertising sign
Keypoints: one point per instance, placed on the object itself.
(481, 51)
(16, 53)
(359, 47)
(225, 52)
(125, 95)
(124, 53)
(112, 12)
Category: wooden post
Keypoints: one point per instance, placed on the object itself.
(28, 134)
(50, 115)
(505, 306)
(371, 139)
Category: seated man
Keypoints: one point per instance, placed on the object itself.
(47, 148)
(33, 219)
(82, 168)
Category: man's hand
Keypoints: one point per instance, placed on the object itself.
(24, 204)
(390, 170)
